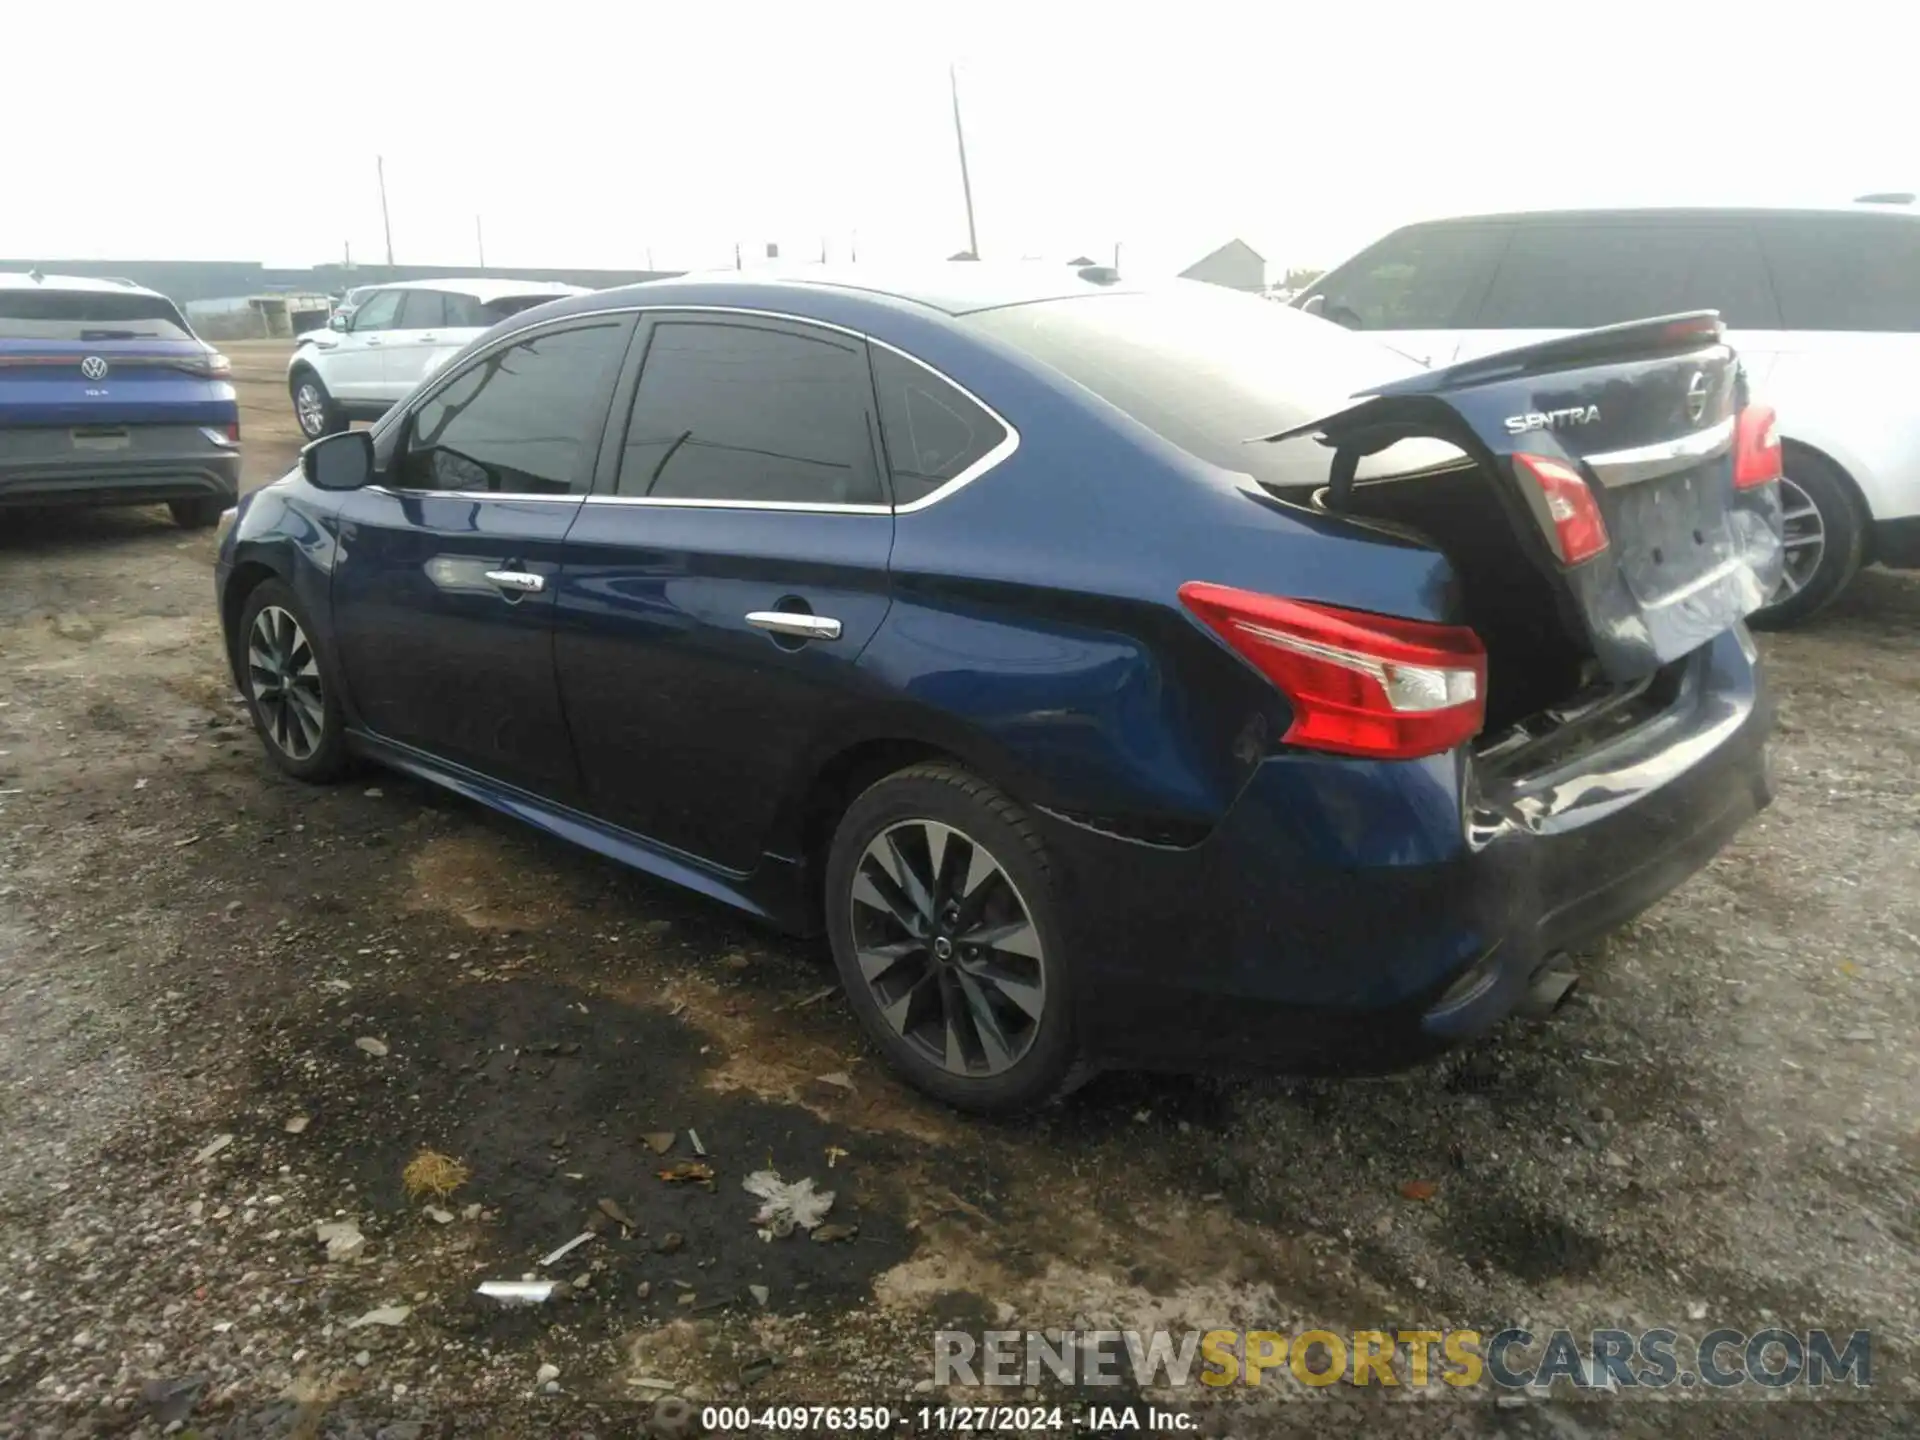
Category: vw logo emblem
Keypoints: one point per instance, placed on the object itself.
(1697, 390)
(94, 368)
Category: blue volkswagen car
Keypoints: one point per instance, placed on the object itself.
(107, 397)
(1117, 674)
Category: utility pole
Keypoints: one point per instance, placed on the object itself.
(386, 223)
(480, 242)
(1116, 257)
(966, 184)
(736, 254)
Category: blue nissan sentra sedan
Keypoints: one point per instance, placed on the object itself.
(1117, 673)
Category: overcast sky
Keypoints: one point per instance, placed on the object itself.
(595, 136)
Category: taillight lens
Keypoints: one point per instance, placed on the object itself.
(1578, 531)
(1756, 448)
(1360, 684)
(233, 432)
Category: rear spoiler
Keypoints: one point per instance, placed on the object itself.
(1634, 340)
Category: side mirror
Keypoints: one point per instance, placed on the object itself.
(338, 322)
(339, 462)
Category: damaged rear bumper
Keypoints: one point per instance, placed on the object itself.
(1356, 915)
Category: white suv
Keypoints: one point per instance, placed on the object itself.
(1822, 305)
(393, 339)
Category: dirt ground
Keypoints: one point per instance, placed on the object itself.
(1721, 1129)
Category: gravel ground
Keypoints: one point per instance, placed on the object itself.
(1720, 1129)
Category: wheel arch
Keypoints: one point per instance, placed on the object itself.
(1862, 509)
(247, 576)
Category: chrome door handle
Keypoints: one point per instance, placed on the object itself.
(519, 580)
(372, 341)
(796, 623)
(424, 339)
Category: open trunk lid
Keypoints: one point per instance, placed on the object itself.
(1645, 414)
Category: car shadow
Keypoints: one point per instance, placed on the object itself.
(30, 528)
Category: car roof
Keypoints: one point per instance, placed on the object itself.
(953, 287)
(1868, 212)
(483, 288)
(18, 280)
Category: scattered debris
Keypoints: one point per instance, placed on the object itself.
(171, 1401)
(688, 1299)
(383, 1315)
(1697, 1310)
(659, 1141)
(212, 1148)
(431, 1173)
(673, 1419)
(471, 1212)
(363, 1359)
(649, 1382)
(643, 1289)
(670, 1243)
(374, 1047)
(546, 1373)
(518, 1292)
(756, 1370)
(373, 792)
(688, 1172)
(296, 1124)
(439, 1216)
(816, 997)
(611, 1209)
(342, 1239)
(566, 1249)
(787, 1206)
(1862, 1035)
(828, 1234)
(839, 1079)
(761, 1294)
(834, 1152)
(693, 1139)
(1419, 1189)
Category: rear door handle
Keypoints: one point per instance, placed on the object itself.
(525, 584)
(373, 340)
(796, 623)
(428, 339)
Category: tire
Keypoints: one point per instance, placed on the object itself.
(316, 413)
(307, 736)
(987, 1028)
(1818, 500)
(197, 514)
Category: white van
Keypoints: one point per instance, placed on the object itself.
(1823, 306)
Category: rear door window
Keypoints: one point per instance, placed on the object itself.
(934, 433)
(1574, 275)
(423, 310)
(1845, 272)
(1426, 277)
(752, 415)
(81, 315)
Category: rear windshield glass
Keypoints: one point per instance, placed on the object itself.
(498, 310)
(88, 315)
(1206, 369)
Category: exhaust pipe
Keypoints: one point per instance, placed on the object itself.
(1550, 988)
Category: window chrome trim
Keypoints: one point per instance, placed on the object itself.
(1649, 462)
(1009, 441)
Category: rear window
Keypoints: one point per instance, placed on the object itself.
(1206, 369)
(1425, 277)
(88, 315)
(1845, 272)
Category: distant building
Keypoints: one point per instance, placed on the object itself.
(1236, 265)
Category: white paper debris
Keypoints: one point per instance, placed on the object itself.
(788, 1206)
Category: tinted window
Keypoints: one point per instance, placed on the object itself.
(1423, 278)
(1845, 273)
(378, 311)
(423, 310)
(932, 431)
(733, 412)
(466, 313)
(1575, 276)
(88, 315)
(524, 420)
(1207, 369)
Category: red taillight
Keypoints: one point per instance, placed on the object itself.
(1578, 531)
(1756, 448)
(233, 432)
(1360, 684)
